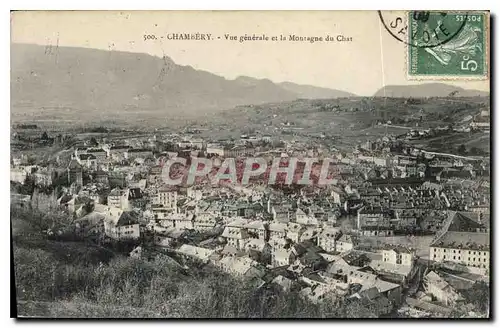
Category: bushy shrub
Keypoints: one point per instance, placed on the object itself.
(34, 274)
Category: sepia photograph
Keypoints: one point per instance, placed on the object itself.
(250, 164)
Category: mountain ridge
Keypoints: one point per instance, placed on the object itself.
(75, 82)
(314, 92)
(86, 78)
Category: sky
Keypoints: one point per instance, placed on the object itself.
(371, 60)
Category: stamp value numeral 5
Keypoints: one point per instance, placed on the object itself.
(468, 64)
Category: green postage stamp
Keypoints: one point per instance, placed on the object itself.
(448, 45)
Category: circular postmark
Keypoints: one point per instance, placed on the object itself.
(423, 29)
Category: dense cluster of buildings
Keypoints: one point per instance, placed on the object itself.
(361, 238)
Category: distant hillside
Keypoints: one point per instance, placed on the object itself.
(427, 90)
(312, 92)
(345, 122)
(67, 80)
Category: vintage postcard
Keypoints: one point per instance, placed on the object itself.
(251, 164)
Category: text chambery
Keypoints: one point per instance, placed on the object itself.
(251, 37)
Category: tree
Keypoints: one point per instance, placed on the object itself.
(478, 295)
(93, 142)
(475, 151)
(462, 150)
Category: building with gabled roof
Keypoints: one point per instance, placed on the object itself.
(439, 288)
(90, 224)
(458, 242)
(119, 198)
(167, 237)
(75, 173)
(328, 237)
(257, 245)
(257, 229)
(277, 230)
(166, 197)
(345, 243)
(399, 255)
(242, 266)
(285, 283)
(236, 235)
(87, 160)
(368, 280)
(182, 221)
(468, 248)
(294, 231)
(199, 253)
(374, 221)
(123, 226)
(282, 257)
(205, 222)
(310, 233)
(282, 213)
